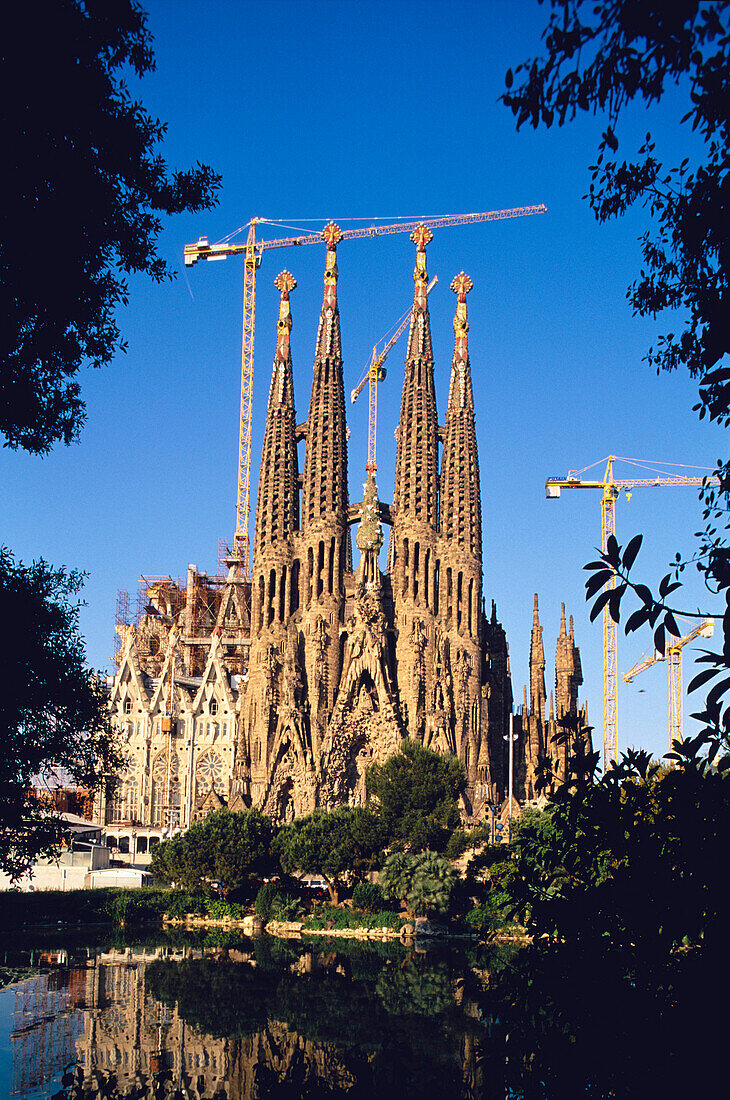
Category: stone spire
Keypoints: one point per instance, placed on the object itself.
(277, 507)
(568, 672)
(414, 566)
(416, 469)
(325, 466)
(324, 539)
(537, 667)
(461, 516)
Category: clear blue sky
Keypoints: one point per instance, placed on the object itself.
(319, 109)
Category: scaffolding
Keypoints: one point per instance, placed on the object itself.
(122, 619)
(224, 554)
(46, 1026)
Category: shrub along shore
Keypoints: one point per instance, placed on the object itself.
(181, 909)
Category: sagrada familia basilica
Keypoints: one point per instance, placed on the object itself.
(279, 689)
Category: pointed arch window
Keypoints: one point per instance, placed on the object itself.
(166, 791)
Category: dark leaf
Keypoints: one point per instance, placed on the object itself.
(597, 581)
(600, 603)
(631, 551)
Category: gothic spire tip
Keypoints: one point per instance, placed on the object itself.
(461, 284)
(285, 283)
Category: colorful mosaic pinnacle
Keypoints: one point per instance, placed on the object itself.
(285, 283)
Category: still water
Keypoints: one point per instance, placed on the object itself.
(262, 1017)
(243, 1019)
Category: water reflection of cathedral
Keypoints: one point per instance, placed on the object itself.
(147, 1049)
(131, 1035)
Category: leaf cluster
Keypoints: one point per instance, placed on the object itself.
(54, 721)
(341, 845)
(229, 848)
(416, 793)
(600, 56)
(633, 861)
(423, 881)
(611, 581)
(84, 184)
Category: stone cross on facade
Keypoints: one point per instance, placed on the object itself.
(421, 237)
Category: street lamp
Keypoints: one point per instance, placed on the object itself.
(511, 737)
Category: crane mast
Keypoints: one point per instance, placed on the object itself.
(610, 488)
(252, 251)
(673, 657)
(374, 374)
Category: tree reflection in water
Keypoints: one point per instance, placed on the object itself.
(286, 1019)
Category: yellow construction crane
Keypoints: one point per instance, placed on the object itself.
(376, 373)
(610, 488)
(673, 657)
(252, 252)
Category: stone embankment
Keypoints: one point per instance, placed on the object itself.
(251, 925)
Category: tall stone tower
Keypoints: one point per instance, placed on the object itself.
(460, 542)
(323, 541)
(414, 564)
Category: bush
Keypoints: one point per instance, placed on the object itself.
(274, 902)
(461, 841)
(424, 880)
(332, 917)
(217, 909)
(180, 903)
(368, 896)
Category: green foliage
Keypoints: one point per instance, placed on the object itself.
(634, 862)
(180, 903)
(368, 896)
(417, 796)
(220, 909)
(463, 840)
(340, 845)
(226, 847)
(424, 881)
(86, 171)
(602, 55)
(87, 907)
(53, 713)
(493, 911)
(275, 902)
(334, 917)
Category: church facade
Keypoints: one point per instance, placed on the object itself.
(277, 690)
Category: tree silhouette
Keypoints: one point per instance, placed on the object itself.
(83, 184)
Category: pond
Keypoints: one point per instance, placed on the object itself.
(241, 1018)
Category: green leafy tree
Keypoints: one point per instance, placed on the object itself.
(633, 862)
(423, 881)
(84, 183)
(600, 55)
(417, 796)
(341, 845)
(54, 722)
(231, 848)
